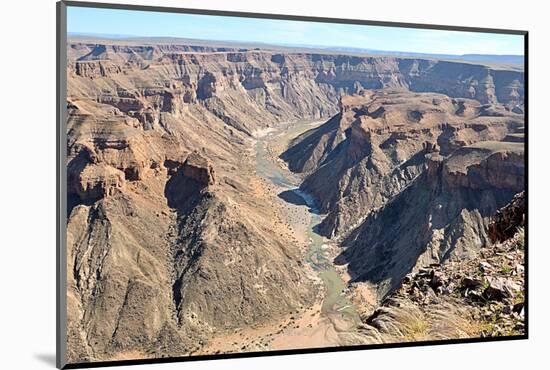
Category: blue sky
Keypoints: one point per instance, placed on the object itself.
(207, 27)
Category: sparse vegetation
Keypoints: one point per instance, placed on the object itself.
(180, 242)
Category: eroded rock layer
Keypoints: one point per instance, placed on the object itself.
(443, 214)
(377, 145)
(480, 296)
(270, 87)
(170, 242)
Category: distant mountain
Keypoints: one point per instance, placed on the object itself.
(480, 58)
(515, 60)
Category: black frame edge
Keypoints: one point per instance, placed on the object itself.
(526, 156)
(163, 360)
(61, 193)
(61, 317)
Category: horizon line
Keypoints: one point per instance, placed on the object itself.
(122, 37)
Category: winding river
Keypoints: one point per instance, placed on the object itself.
(335, 305)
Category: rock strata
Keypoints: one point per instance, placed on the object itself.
(377, 145)
(271, 87)
(173, 241)
(198, 168)
(482, 296)
(421, 225)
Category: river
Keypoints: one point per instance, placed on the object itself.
(337, 310)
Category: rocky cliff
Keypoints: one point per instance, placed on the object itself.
(409, 181)
(481, 296)
(271, 87)
(443, 214)
(169, 241)
(377, 145)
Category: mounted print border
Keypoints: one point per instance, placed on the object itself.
(228, 198)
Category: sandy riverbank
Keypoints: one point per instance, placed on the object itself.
(327, 322)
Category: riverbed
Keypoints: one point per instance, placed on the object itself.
(337, 319)
(332, 319)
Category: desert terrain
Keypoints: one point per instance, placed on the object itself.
(230, 199)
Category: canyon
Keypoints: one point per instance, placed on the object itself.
(225, 199)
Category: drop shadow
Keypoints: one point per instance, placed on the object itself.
(46, 358)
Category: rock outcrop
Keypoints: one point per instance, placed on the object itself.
(508, 219)
(375, 147)
(482, 296)
(442, 215)
(169, 241)
(98, 181)
(198, 168)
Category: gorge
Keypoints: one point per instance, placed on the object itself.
(225, 199)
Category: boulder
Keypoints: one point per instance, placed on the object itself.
(506, 221)
(98, 181)
(438, 279)
(198, 168)
(500, 288)
(471, 283)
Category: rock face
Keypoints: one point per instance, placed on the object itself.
(98, 181)
(375, 147)
(270, 87)
(160, 258)
(480, 296)
(410, 180)
(443, 214)
(198, 168)
(169, 240)
(506, 221)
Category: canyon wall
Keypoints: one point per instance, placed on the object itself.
(442, 215)
(169, 239)
(409, 179)
(376, 146)
(270, 87)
